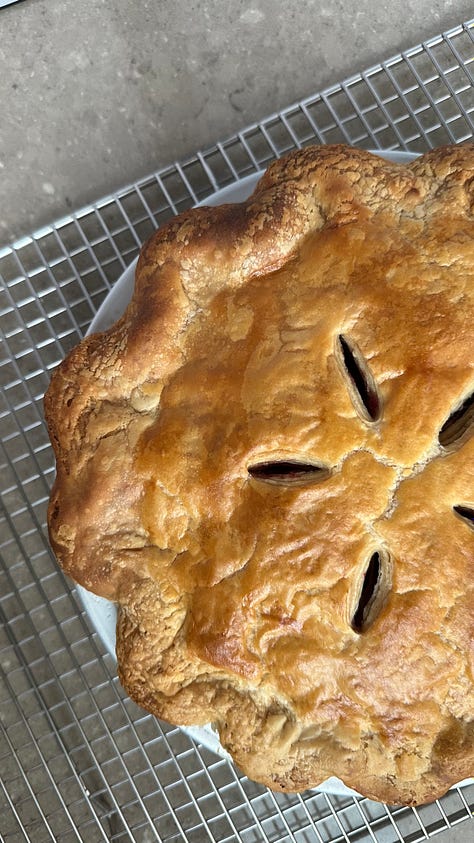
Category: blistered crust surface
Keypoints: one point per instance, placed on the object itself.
(237, 596)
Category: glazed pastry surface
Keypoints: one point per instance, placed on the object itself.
(268, 463)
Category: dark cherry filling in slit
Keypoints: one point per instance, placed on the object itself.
(361, 379)
(287, 472)
(368, 594)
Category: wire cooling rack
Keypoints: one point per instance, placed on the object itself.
(78, 760)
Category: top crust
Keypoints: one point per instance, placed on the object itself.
(238, 596)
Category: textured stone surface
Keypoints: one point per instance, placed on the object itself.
(464, 833)
(96, 94)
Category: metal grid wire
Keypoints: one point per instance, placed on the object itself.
(78, 760)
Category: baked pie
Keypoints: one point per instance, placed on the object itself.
(268, 463)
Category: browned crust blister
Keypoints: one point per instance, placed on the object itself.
(253, 331)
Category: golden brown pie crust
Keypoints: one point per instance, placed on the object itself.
(237, 596)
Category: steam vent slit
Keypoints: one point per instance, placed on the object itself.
(372, 593)
(288, 472)
(466, 513)
(459, 424)
(361, 382)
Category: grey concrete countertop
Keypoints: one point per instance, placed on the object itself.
(97, 94)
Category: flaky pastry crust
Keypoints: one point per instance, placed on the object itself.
(322, 619)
